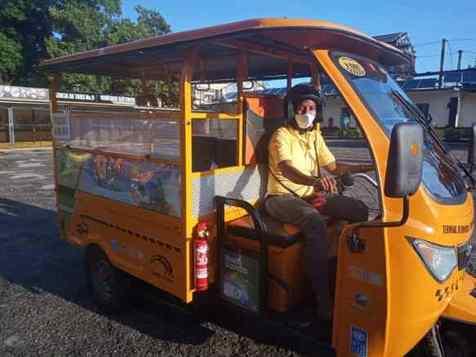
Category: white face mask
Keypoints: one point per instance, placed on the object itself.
(305, 121)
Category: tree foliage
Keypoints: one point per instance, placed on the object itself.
(24, 25)
(34, 30)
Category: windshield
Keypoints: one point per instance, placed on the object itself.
(391, 105)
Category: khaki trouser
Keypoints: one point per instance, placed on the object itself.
(290, 209)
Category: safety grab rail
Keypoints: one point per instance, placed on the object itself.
(260, 228)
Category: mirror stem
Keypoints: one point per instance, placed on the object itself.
(406, 213)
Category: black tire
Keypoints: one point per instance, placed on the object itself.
(458, 339)
(107, 284)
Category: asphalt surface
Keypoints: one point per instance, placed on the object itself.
(45, 308)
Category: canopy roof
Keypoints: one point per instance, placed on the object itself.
(269, 43)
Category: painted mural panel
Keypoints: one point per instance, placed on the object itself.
(69, 164)
(141, 183)
(138, 182)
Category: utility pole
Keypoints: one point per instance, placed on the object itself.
(460, 56)
(442, 62)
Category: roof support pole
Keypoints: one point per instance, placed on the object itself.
(460, 56)
(54, 82)
(241, 75)
(289, 82)
(442, 62)
(316, 79)
(186, 163)
(186, 137)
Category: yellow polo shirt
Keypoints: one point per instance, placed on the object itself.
(288, 143)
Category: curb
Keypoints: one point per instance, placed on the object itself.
(39, 148)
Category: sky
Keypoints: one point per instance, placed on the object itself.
(426, 22)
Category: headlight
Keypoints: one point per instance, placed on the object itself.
(439, 260)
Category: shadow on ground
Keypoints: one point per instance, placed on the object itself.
(33, 257)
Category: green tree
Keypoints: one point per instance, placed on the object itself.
(24, 24)
(104, 27)
(80, 25)
(34, 30)
(149, 23)
(11, 59)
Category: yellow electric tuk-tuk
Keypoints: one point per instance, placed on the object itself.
(171, 196)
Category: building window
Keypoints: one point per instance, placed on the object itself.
(346, 119)
(23, 119)
(452, 111)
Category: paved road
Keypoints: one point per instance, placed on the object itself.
(46, 310)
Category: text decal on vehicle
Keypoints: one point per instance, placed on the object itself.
(358, 342)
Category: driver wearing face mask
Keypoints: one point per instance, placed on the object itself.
(297, 155)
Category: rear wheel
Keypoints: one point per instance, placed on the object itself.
(107, 284)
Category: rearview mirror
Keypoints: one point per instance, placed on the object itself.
(405, 160)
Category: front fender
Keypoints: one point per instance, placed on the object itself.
(462, 306)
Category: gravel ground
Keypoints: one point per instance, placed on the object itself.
(45, 308)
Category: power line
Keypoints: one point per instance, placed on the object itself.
(439, 41)
(426, 44)
(422, 64)
(462, 39)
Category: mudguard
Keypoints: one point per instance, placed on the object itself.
(462, 306)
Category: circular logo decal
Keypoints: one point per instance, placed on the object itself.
(352, 66)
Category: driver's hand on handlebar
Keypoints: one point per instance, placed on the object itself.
(326, 183)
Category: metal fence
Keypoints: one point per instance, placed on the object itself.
(24, 124)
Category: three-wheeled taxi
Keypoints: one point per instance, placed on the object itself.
(172, 196)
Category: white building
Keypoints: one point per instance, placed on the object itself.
(453, 105)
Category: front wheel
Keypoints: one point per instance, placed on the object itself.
(447, 339)
(458, 339)
(107, 284)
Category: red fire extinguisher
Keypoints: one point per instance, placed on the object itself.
(201, 256)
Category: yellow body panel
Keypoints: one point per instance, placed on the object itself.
(414, 298)
(141, 242)
(462, 307)
(361, 293)
(407, 304)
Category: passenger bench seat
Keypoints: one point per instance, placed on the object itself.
(276, 233)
